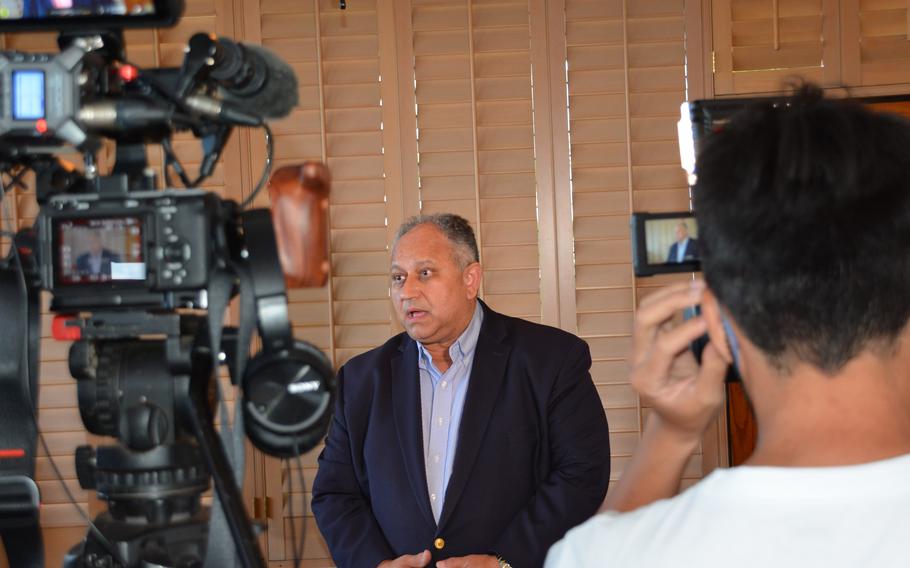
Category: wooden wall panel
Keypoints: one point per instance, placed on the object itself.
(626, 80)
(472, 76)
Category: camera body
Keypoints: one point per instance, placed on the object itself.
(151, 249)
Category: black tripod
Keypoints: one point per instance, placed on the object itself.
(154, 396)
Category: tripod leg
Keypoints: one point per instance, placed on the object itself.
(200, 417)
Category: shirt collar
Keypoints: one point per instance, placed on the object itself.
(464, 346)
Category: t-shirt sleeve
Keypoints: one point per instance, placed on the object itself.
(583, 545)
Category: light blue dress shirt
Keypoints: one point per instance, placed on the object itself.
(681, 250)
(442, 397)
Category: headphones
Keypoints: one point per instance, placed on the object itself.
(289, 386)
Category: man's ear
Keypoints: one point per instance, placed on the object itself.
(710, 310)
(472, 276)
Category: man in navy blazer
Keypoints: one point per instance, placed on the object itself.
(473, 437)
(97, 260)
(685, 249)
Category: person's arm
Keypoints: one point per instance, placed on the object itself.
(580, 466)
(342, 513)
(682, 407)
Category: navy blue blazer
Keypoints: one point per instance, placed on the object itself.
(84, 264)
(532, 461)
(690, 254)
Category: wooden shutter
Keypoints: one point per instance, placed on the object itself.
(626, 80)
(476, 141)
(876, 42)
(340, 121)
(760, 44)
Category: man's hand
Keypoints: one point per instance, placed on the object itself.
(684, 404)
(472, 561)
(407, 561)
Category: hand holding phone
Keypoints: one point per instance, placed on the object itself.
(685, 404)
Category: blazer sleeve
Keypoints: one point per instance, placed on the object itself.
(342, 511)
(579, 450)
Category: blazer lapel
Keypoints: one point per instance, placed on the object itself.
(406, 408)
(487, 375)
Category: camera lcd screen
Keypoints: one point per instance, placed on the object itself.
(664, 243)
(99, 250)
(672, 240)
(28, 94)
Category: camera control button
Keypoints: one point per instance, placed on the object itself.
(174, 252)
(166, 274)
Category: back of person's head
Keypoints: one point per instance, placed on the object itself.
(803, 209)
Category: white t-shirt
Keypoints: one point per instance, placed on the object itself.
(774, 517)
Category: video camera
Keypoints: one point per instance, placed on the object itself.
(140, 278)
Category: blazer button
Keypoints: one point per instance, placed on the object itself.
(439, 544)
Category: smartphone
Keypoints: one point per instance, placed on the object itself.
(698, 346)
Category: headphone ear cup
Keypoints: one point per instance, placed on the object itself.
(288, 399)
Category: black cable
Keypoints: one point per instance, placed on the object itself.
(287, 469)
(23, 289)
(266, 170)
(171, 158)
(168, 182)
(152, 82)
(298, 552)
(303, 489)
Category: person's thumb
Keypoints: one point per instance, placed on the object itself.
(416, 560)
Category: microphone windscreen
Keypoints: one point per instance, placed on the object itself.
(278, 95)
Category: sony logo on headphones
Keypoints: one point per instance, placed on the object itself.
(306, 386)
(298, 386)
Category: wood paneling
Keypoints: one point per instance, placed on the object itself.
(626, 80)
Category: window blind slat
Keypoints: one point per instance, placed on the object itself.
(749, 57)
(882, 49)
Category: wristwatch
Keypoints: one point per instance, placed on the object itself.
(502, 562)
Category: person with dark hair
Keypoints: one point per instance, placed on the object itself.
(471, 440)
(803, 209)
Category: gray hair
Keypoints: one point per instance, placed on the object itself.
(455, 228)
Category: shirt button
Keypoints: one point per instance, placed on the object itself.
(436, 458)
(439, 544)
(440, 421)
(432, 497)
(444, 384)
